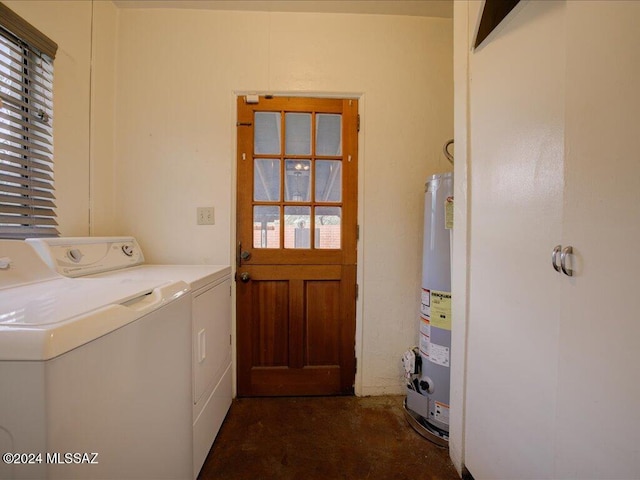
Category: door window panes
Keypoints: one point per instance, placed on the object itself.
(297, 180)
(297, 227)
(266, 133)
(266, 227)
(266, 180)
(328, 223)
(298, 133)
(328, 180)
(328, 134)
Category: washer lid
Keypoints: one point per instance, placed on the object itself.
(59, 300)
(46, 319)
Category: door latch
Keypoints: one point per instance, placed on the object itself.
(242, 255)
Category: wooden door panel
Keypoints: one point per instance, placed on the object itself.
(293, 272)
(298, 337)
(322, 315)
(271, 320)
(296, 382)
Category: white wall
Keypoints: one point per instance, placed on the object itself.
(68, 23)
(103, 77)
(177, 75)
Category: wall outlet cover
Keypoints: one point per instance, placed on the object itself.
(206, 216)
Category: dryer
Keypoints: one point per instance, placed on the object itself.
(92, 380)
(210, 291)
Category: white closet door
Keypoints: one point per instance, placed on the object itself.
(517, 136)
(598, 390)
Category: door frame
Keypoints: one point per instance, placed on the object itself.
(360, 96)
(466, 18)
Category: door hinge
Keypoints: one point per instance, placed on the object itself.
(358, 122)
(357, 232)
(357, 291)
(356, 365)
(230, 340)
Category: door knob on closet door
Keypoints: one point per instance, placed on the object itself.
(554, 257)
(563, 261)
(245, 277)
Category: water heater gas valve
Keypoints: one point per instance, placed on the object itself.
(411, 361)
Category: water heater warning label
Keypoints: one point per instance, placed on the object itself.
(425, 345)
(425, 328)
(439, 354)
(425, 333)
(441, 310)
(441, 413)
(425, 303)
(448, 213)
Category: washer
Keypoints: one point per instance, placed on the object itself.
(92, 380)
(210, 286)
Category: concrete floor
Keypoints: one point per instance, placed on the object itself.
(323, 438)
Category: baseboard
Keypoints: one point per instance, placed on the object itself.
(375, 391)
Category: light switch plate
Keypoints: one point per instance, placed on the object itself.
(206, 216)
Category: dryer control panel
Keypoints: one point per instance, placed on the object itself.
(80, 256)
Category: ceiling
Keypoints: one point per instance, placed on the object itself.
(420, 8)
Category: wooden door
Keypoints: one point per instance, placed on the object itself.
(296, 237)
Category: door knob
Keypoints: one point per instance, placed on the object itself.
(245, 277)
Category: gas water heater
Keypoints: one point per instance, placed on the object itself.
(427, 402)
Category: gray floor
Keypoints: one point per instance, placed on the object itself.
(323, 438)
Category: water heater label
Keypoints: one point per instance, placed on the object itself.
(439, 354)
(441, 310)
(425, 327)
(425, 334)
(425, 345)
(441, 413)
(448, 213)
(425, 303)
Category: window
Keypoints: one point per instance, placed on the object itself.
(26, 129)
(299, 172)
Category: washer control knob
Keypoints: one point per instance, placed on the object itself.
(127, 250)
(75, 255)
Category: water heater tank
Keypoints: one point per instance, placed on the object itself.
(435, 309)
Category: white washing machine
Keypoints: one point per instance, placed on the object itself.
(92, 380)
(210, 285)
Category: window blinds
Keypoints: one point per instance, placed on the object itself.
(26, 132)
